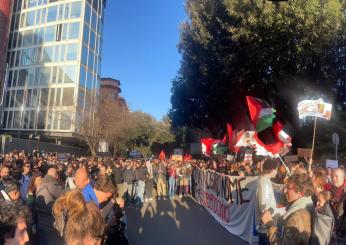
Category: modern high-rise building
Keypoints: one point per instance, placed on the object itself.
(54, 57)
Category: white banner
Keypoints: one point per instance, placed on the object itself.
(314, 108)
(231, 200)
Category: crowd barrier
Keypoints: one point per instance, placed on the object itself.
(231, 200)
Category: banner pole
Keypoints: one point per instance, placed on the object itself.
(313, 139)
(287, 169)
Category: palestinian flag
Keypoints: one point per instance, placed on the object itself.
(219, 148)
(261, 114)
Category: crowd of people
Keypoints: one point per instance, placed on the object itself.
(46, 200)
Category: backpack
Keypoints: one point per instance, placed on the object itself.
(322, 226)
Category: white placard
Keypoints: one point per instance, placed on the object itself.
(332, 163)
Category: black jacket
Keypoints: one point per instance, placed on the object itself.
(117, 175)
(47, 193)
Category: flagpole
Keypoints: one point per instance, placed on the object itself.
(313, 139)
(287, 169)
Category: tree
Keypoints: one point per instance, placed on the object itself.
(281, 52)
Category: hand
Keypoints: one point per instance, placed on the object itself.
(266, 217)
(120, 201)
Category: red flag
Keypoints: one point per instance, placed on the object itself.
(187, 157)
(255, 106)
(162, 155)
(230, 136)
(207, 144)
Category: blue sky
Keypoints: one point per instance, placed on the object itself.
(140, 49)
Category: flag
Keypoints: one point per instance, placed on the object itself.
(187, 157)
(315, 108)
(230, 136)
(261, 114)
(219, 148)
(207, 145)
(162, 155)
(280, 134)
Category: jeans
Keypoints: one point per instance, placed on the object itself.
(140, 185)
(263, 239)
(128, 192)
(171, 183)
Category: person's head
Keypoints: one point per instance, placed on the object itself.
(80, 223)
(53, 172)
(12, 188)
(13, 221)
(5, 171)
(270, 167)
(81, 178)
(26, 168)
(34, 183)
(318, 181)
(104, 187)
(322, 198)
(297, 186)
(338, 177)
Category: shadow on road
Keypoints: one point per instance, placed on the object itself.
(176, 221)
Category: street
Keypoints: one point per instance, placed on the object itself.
(175, 221)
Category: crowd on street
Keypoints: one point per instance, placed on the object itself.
(81, 200)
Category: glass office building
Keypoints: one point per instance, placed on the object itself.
(54, 56)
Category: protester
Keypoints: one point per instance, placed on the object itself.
(297, 220)
(11, 190)
(13, 223)
(25, 180)
(78, 222)
(47, 193)
(265, 197)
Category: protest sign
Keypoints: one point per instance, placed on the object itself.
(177, 155)
(231, 200)
(303, 152)
(332, 163)
(292, 158)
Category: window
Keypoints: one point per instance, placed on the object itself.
(32, 3)
(5, 119)
(86, 35)
(44, 97)
(93, 21)
(91, 61)
(82, 77)
(26, 119)
(92, 40)
(58, 97)
(38, 16)
(54, 73)
(58, 32)
(45, 75)
(32, 119)
(16, 119)
(73, 30)
(64, 32)
(67, 11)
(89, 81)
(10, 75)
(41, 122)
(14, 80)
(34, 99)
(28, 99)
(71, 53)
(23, 77)
(75, 9)
(87, 14)
(44, 16)
(61, 12)
(50, 120)
(62, 53)
(84, 55)
(30, 18)
(48, 54)
(56, 116)
(50, 33)
(27, 39)
(10, 117)
(68, 95)
(52, 13)
(19, 98)
(70, 74)
(7, 100)
(51, 97)
(65, 121)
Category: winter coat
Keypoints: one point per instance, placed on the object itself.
(118, 175)
(296, 227)
(47, 193)
(129, 176)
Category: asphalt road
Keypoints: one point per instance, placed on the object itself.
(176, 222)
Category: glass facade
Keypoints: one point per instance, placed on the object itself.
(54, 56)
